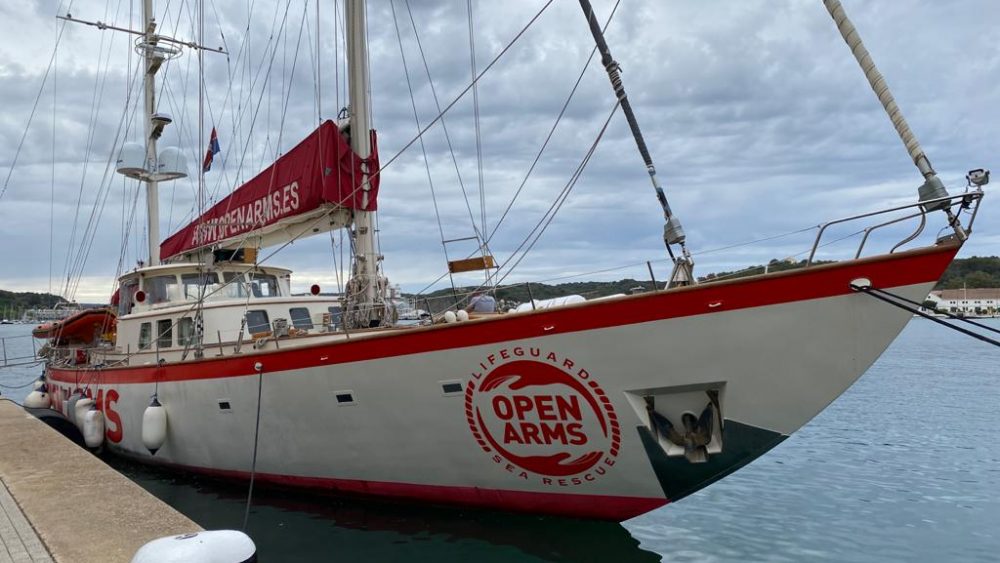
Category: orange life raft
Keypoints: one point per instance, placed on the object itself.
(80, 328)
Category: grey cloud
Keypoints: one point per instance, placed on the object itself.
(755, 112)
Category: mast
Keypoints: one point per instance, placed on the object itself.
(151, 65)
(673, 232)
(365, 297)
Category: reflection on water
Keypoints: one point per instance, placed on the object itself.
(297, 526)
(904, 467)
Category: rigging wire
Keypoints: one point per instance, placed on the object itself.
(483, 229)
(75, 267)
(465, 90)
(101, 79)
(538, 155)
(272, 46)
(946, 313)
(755, 241)
(423, 148)
(241, 112)
(319, 68)
(479, 76)
(77, 259)
(259, 368)
(52, 184)
(34, 107)
(97, 96)
(104, 189)
(887, 297)
(546, 220)
(535, 234)
(552, 130)
(444, 124)
(223, 178)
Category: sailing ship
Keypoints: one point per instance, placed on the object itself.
(597, 409)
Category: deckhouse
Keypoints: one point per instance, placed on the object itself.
(158, 307)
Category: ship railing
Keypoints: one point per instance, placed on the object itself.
(13, 352)
(967, 201)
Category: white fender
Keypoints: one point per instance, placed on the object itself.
(216, 546)
(69, 407)
(93, 428)
(450, 317)
(83, 406)
(462, 315)
(154, 426)
(38, 399)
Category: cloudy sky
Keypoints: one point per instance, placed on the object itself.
(756, 115)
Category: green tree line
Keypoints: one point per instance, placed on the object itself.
(14, 304)
(975, 272)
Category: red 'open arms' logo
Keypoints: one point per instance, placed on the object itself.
(543, 420)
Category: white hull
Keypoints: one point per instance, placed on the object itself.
(777, 349)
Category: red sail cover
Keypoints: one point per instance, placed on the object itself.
(320, 171)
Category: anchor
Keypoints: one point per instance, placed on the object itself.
(696, 433)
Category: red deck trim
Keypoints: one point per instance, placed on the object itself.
(600, 507)
(888, 271)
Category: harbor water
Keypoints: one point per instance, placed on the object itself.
(905, 466)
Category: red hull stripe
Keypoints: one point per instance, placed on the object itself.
(601, 507)
(919, 266)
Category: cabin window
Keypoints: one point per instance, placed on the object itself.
(126, 297)
(300, 318)
(185, 331)
(193, 284)
(164, 333)
(257, 322)
(335, 315)
(259, 285)
(145, 334)
(160, 289)
(263, 285)
(235, 284)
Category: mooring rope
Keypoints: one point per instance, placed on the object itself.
(945, 313)
(256, 434)
(881, 295)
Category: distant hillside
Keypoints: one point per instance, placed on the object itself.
(13, 304)
(974, 272)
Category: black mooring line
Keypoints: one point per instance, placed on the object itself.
(946, 313)
(868, 290)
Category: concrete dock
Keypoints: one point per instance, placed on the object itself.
(60, 503)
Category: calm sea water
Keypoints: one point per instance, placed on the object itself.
(905, 466)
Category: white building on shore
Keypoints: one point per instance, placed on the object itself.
(968, 302)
